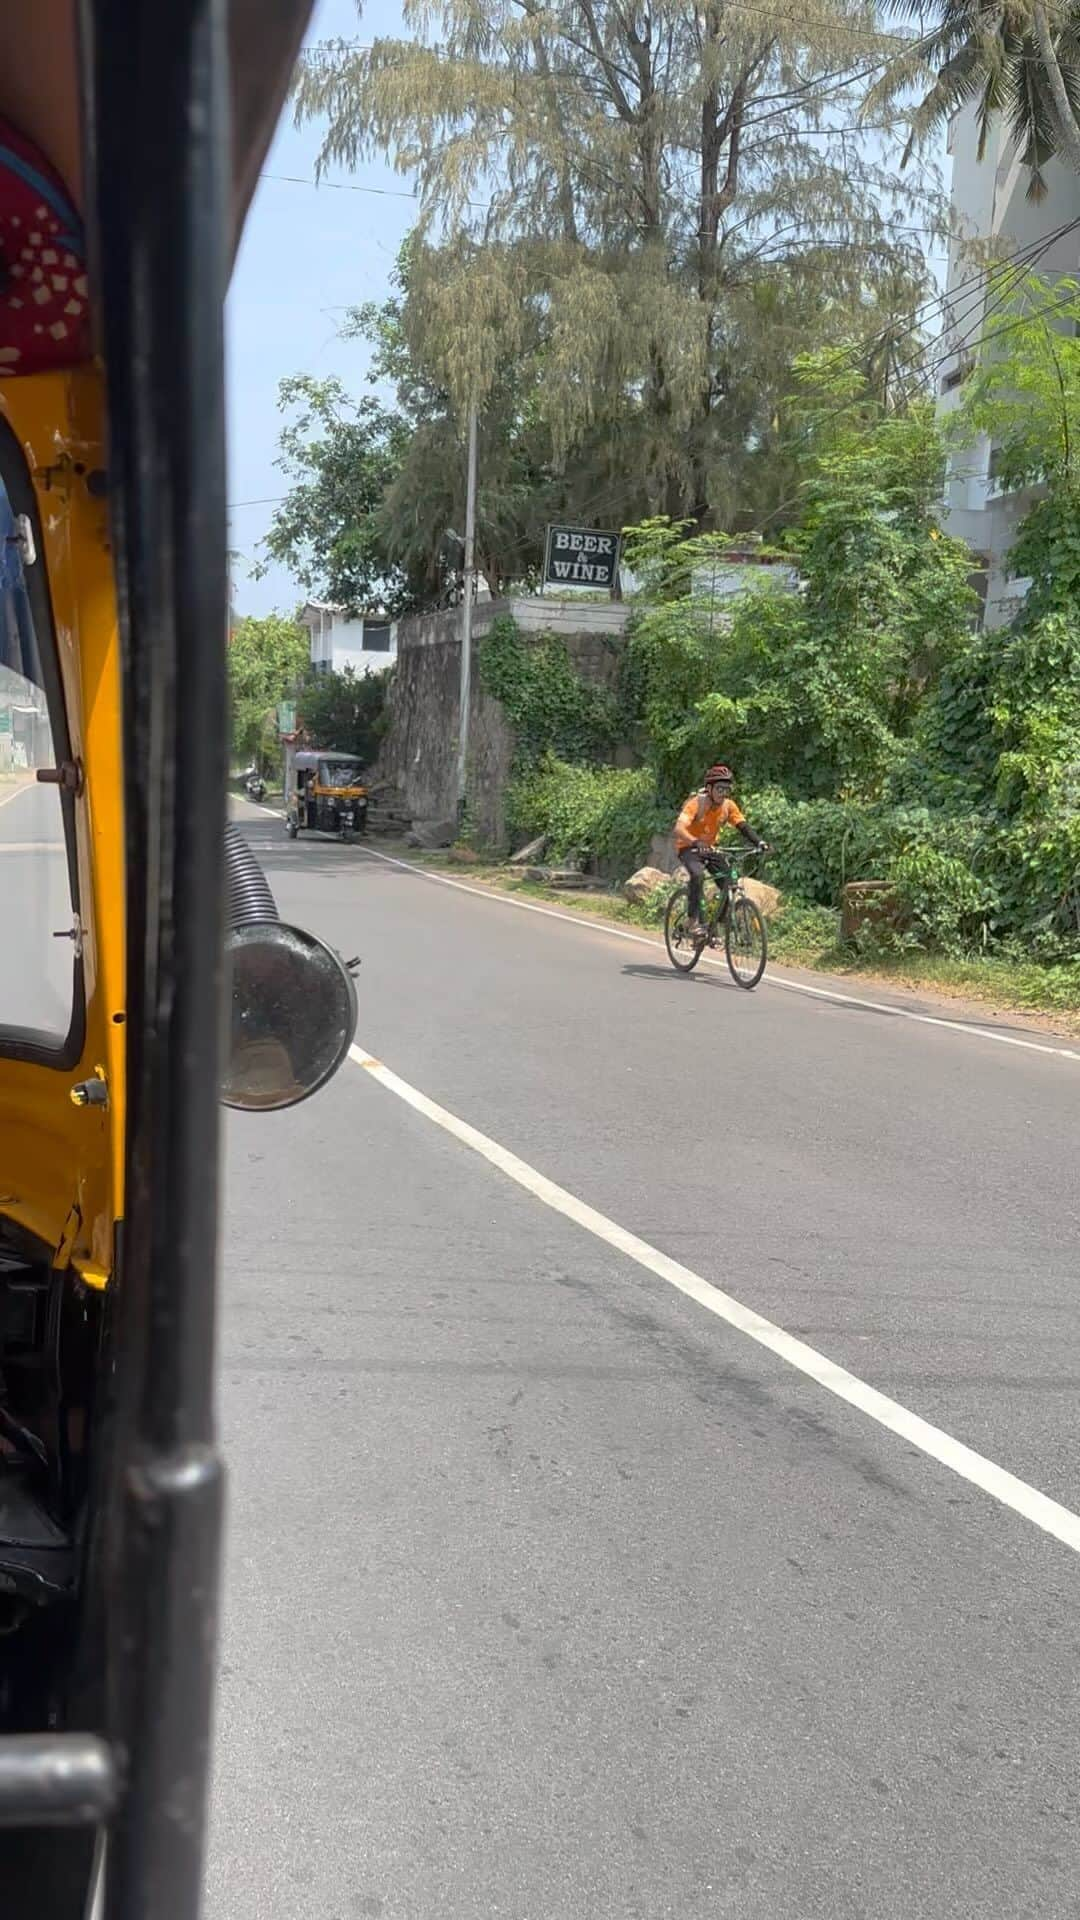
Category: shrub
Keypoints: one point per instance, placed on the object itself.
(601, 816)
(819, 845)
(942, 902)
(798, 930)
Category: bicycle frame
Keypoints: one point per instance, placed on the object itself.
(717, 909)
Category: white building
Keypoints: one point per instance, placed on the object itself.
(366, 645)
(993, 218)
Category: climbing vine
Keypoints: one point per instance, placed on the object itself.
(550, 707)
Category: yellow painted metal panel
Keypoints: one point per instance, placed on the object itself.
(57, 1156)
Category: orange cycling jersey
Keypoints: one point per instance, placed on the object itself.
(699, 821)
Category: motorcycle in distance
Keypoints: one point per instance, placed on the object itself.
(254, 784)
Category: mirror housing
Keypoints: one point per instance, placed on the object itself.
(292, 1016)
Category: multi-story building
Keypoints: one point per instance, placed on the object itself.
(993, 219)
(366, 645)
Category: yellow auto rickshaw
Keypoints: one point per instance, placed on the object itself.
(326, 794)
(131, 137)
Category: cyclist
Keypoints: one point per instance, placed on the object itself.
(697, 827)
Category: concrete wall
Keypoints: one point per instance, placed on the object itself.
(419, 754)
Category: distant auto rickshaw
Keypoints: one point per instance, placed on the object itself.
(326, 794)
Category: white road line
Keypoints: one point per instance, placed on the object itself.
(26, 787)
(772, 978)
(1028, 1502)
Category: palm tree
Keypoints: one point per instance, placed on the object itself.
(1019, 59)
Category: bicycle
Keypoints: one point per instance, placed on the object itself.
(728, 908)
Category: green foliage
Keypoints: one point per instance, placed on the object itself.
(267, 660)
(814, 692)
(819, 845)
(800, 931)
(1038, 885)
(346, 710)
(1025, 392)
(341, 457)
(600, 815)
(1019, 63)
(550, 707)
(942, 902)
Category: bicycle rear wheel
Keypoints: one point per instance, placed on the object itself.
(683, 951)
(744, 942)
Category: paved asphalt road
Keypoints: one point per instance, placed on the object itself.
(551, 1596)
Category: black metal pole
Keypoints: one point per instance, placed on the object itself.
(155, 79)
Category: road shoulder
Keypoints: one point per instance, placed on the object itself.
(937, 1000)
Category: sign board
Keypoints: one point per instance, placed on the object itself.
(286, 717)
(581, 557)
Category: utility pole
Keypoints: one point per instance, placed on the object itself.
(466, 616)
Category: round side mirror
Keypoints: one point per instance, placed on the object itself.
(292, 1016)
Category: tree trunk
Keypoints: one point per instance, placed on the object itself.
(567, 211)
(1068, 130)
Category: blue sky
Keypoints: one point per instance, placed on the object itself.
(307, 253)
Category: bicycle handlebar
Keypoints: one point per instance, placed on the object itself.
(731, 853)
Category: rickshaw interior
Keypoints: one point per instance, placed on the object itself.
(131, 136)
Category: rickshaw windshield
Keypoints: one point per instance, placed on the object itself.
(38, 955)
(340, 773)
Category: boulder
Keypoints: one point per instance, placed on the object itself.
(565, 879)
(765, 898)
(662, 853)
(526, 856)
(870, 906)
(643, 884)
(433, 833)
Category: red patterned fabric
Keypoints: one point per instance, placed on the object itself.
(44, 308)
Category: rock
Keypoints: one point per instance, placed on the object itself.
(643, 884)
(526, 855)
(434, 833)
(869, 905)
(564, 879)
(662, 853)
(765, 898)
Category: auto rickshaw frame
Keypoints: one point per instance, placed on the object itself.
(308, 760)
(132, 101)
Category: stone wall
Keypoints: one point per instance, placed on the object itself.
(419, 753)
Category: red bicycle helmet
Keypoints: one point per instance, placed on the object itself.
(719, 776)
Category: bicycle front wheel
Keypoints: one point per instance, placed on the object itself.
(683, 950)
(745, 943)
